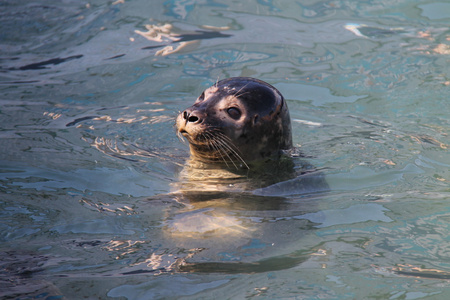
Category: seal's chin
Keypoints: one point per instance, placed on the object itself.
(193, 139)
(183, 134)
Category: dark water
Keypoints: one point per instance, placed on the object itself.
(89, 160)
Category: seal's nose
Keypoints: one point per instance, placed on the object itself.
(191, 116)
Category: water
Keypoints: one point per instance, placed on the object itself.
(89, 159)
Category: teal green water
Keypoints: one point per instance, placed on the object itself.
(89, 158)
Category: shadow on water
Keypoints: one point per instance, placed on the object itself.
(265, 265)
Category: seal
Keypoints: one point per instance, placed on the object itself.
(242, 159)
(237, 121)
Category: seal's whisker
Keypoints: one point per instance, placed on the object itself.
(240, 95)
(216, 139)
(236, 154)
(236, 94)
(214, 146)
(207, 138)
(221, 150)
(228, 153)
(227, 143)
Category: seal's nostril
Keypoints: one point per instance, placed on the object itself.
(192, 119)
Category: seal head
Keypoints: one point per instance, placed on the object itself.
(237, 120)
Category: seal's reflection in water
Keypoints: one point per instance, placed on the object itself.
(240, 221)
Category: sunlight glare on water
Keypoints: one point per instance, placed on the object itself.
(90, 163)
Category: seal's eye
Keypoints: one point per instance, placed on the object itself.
(234, 113)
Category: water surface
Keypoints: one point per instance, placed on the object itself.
(89, 159)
